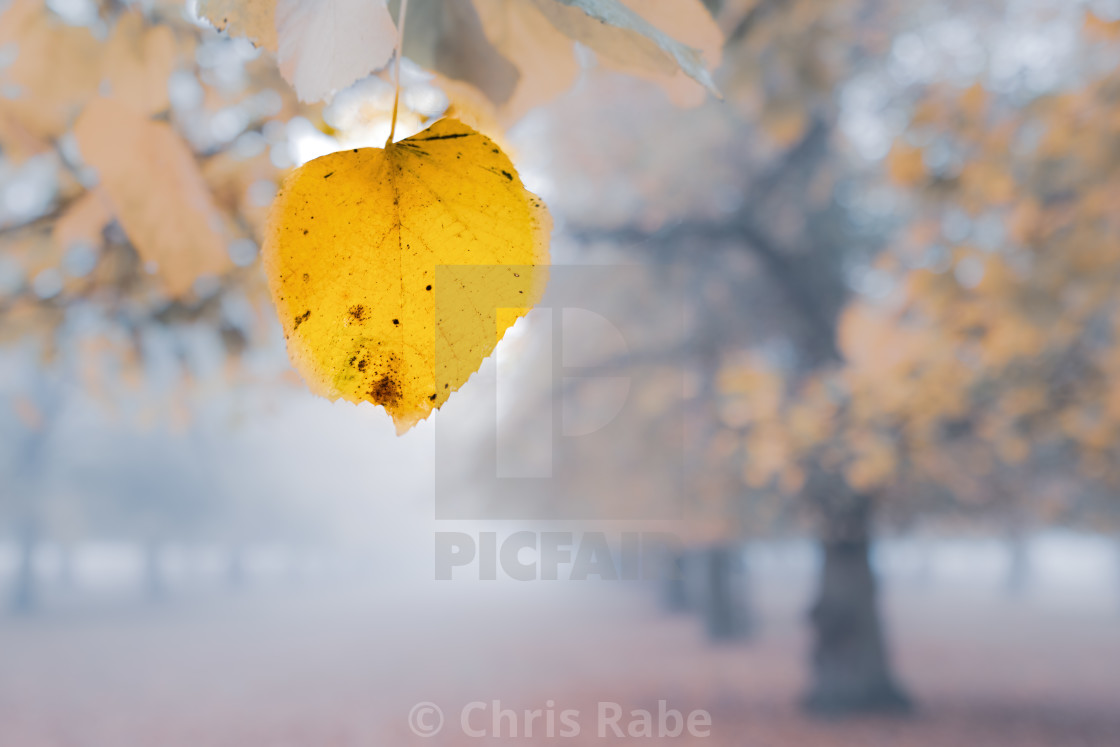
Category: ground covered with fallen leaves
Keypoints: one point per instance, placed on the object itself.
(336, 664)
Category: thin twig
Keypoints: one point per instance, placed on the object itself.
(399, 51)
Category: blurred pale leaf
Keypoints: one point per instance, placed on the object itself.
(544, 57)
(139, 60)
(322, 46)
(83, 221)
(628, 39)
(537, 35)
(20, 143)
(157, 192)
(690, 24)
(254, 20)
(56, 69)
(325, 45)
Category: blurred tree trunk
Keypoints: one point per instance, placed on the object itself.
(923, 572)
(27, 518)
(235, 567)
(67, 572)
(25, 596)
(29, 490)
(726, 609)
(155, 582)
(1117, 542)
(850, 665)
(675, 594)
(1018, 563)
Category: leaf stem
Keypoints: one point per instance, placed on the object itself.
(400, 49)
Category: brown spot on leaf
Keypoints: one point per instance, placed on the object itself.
(358, 312)
(386, 391)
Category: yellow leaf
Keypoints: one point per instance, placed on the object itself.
(1099, 28)
(388, 267)
(157, 192)
(905, 165)
(873, 461)
(974, 101)
(990, 183)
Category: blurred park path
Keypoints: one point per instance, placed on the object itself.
(342, 663)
